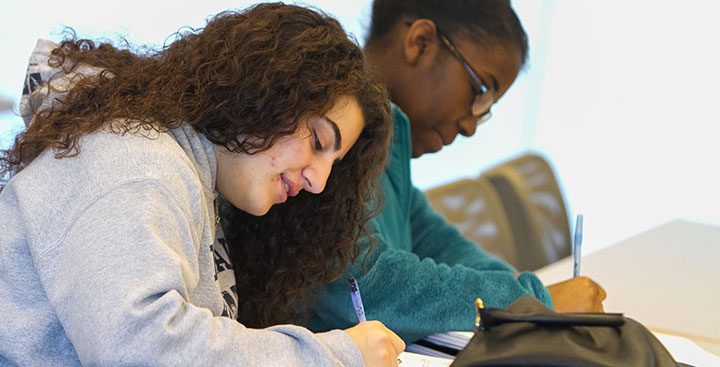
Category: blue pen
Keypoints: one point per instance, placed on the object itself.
(577, 245)
(356, 300)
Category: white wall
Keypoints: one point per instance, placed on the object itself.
(625, 103)
(629, 112)
(621, 95)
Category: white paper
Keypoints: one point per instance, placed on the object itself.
(686, 351)
(409, 359)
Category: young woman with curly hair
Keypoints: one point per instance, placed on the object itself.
(109, 212)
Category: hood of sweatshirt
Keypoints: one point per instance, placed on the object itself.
(45, 86)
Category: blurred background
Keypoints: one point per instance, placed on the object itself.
(620, 96)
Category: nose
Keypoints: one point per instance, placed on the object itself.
(467, 126)
(316, 174)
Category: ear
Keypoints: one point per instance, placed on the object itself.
(421, 42)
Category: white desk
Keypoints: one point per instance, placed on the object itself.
(668, 278)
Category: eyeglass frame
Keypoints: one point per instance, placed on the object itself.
(482, 88)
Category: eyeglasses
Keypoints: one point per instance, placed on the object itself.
(484, 95)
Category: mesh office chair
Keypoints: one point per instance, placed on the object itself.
(475, 208)
(535, 209)
(515, 210)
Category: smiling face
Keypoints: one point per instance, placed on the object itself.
(432, 87)
(301, 161)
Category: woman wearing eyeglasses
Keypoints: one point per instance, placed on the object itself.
(445, 64)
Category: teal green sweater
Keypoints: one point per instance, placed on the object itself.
(423, 276)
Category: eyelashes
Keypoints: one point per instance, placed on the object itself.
(317, 145)
(316, 142)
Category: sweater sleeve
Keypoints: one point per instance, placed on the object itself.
(416, 297)
(121, 278)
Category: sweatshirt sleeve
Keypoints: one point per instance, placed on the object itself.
(121, 278)
(433, 237)
(416, 297)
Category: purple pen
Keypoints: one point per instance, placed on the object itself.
(356, 300)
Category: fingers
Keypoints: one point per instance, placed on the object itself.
(397, 343)
(394, 345)
(392, 358)
(600, 297)
(378, 345)
(579, 294)
(601, 292)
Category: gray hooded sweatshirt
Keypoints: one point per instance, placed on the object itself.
(109, 258)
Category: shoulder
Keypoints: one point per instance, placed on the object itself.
(107, 160)
(51, 192)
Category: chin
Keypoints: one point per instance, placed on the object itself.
(423, 152)
(417, 153)
(259, 211)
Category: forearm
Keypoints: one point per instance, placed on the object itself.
(170, 332)
(141, 292)
(415, 297)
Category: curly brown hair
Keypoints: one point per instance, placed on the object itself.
(246, 79)
(311, 239)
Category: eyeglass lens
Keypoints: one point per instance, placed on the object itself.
(482, 103)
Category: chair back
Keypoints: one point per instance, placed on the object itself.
(515, 210)
(475, 208)
(535, 209)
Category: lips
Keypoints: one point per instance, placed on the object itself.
(291, 187)
(447, 140)
(436, 141)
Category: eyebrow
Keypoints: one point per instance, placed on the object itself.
(338, 137)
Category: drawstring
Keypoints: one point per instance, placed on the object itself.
(217, 214)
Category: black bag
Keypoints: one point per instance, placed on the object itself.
(528, 333)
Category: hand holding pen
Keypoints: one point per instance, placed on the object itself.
(378, 345)
(578, 294)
